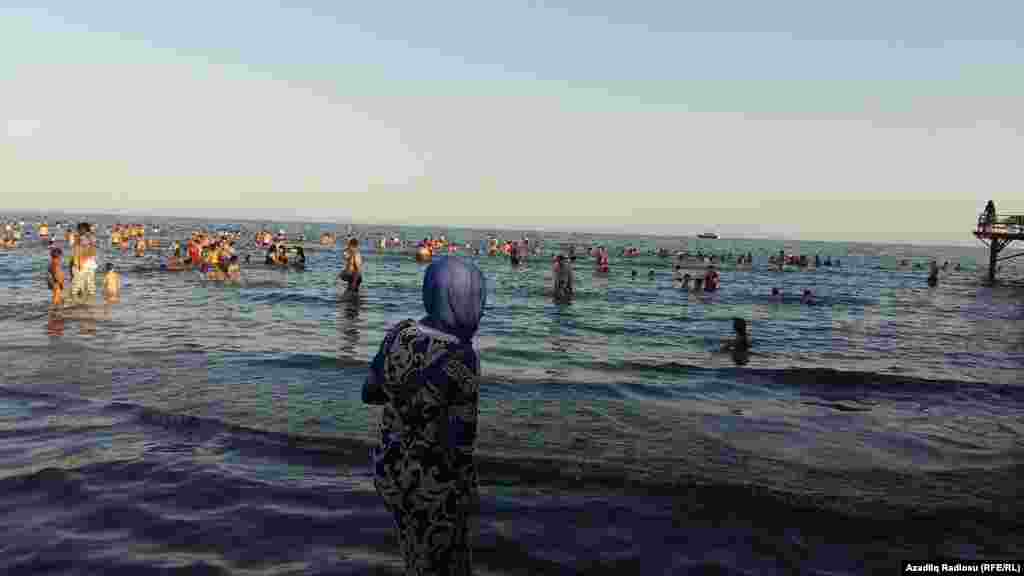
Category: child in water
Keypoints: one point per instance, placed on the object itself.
(234, 270)
(111, 284)
(55, 277)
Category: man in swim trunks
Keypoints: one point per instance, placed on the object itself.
(55, 277)
(353, 270)
(83, 263)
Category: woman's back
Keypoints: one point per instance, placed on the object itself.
(425, 373)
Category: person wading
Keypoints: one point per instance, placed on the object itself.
(426, 376)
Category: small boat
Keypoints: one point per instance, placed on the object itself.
(708, 236)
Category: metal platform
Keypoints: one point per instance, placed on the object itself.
(998, 231)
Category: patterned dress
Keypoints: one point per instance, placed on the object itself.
(423, 468)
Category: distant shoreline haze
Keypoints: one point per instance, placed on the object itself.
(685, 231)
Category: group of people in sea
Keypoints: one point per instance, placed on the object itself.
(800, 260)
(81, 269)
(214, 256)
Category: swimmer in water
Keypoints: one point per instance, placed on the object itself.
(650, 274)
(742, 340)
(933, 274)
(711, 279)
(300, 257)
(776, 295)
(808, 297)
(686, 281)
(697, 285)
(111, 284)
(564, 279)
(740, 345)
(353, 271)
(633, 273)
(55, 277)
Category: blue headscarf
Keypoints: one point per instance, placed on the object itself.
(454, 294)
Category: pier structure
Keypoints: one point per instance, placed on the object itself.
(997, 231)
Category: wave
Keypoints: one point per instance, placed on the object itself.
(201, 461)
(817, 378)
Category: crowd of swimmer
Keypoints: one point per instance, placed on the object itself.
(214, 255)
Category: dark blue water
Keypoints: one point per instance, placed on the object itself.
(197, 428)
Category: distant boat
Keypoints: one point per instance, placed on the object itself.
(708, 236)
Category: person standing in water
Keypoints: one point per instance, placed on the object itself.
(83, 264)
(426, 376)
(740, 345)
(564, 279)
(353, 270)
(55, 277)
(933, 274)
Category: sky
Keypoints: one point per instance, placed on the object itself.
(818, 120)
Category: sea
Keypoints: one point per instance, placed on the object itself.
(200, 428)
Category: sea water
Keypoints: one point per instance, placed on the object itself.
(195, 427)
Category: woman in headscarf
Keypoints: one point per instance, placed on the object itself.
(426, 377)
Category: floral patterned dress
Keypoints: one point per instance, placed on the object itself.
(423, 467)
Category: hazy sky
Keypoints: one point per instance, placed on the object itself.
(887, 120)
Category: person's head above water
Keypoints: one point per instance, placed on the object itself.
(775, 291)
(454, 295)
(110, 266)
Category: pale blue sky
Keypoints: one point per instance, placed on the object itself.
(752, 118)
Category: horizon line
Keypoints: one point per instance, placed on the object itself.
(503, 228)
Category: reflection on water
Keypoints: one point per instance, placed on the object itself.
(55, 323)
(349, 306)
